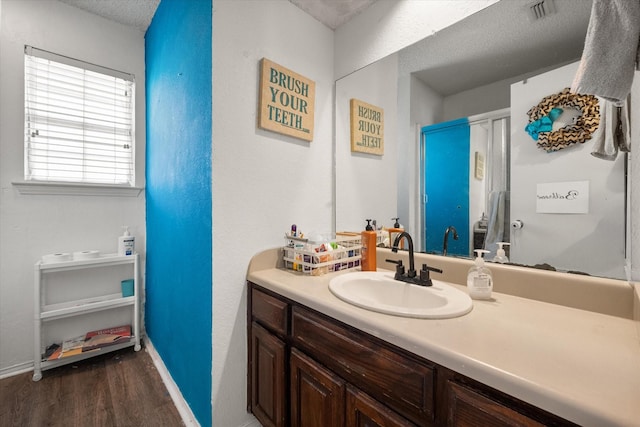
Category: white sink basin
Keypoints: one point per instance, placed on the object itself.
(378, 291)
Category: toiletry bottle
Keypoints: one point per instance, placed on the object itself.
(368, 236)
(126, 243)
(394, 231)
(501, 255)
(479, 279)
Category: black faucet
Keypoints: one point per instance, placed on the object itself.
(410, 277)
(446, 238)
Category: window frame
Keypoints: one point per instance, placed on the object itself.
(84, 186)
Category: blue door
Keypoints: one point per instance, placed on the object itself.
(446, 186)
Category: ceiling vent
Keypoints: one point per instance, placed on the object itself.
(541, 9)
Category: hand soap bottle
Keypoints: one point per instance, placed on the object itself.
(479, 279)
(126, 243)
(394, 231)
(368, 254)
(501, 255)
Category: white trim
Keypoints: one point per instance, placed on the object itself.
(18, 369)
(78, 63)
(183, 408)
(74, 189)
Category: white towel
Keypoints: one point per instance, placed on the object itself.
(611, 50)
(496, 225)
(604, 146)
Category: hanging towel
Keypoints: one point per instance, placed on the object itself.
(623, 134)
(611, 50)
(496, 225)
(613, 133)
(604, 146)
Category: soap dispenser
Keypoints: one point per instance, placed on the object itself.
(501, 255)
(368, 237)
(126, 243)
(479, 279)
(394, 231)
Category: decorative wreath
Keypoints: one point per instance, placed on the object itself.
(542, 115)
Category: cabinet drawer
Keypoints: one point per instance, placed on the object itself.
(363, 411)
(468, 408)
(271, 312)
(404, 384)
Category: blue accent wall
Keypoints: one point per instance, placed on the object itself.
(446, 166)
(178, 193)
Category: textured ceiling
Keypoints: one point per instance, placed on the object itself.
(499, 42)
(138, 13)
(133, 13)
(333, 13)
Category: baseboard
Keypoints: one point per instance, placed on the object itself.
(183, 408)
(16, 370)
(253, 423)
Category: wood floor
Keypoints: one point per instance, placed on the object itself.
(116, 389)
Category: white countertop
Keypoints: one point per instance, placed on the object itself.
(577, 364)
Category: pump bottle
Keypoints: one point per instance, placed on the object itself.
(501, 255)
(368, 237)
(479, 278)
(126, 243)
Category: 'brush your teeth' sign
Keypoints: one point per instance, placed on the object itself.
(563, 197)
(286, 101)
(367, 128)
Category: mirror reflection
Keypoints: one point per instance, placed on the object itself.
(476, 81)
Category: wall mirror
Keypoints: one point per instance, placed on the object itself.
(488, 69)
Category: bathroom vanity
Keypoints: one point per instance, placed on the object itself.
(315, 360)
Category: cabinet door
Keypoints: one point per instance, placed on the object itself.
(317, 395)
(470, 408)
(267, 377)
(364, 411)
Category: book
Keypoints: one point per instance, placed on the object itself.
(71, 346)
(105, 337)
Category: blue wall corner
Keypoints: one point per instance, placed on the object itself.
(178, 194)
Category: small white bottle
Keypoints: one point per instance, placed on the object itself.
(126, 243)
(479, 279)
(501, 255)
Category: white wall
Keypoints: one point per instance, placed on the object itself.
(592, 242)
(34, 225)
(262, 181)
(366, 184)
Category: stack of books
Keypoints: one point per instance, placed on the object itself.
(90, 341)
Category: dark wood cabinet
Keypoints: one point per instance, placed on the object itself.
(317, 394)
(268, 376)
(364, 411)
(470, 408)
(404, 383)
(307, 369)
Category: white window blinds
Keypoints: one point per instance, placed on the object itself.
(79, 121)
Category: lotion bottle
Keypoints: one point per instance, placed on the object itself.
(501, 255)
(126, 243)
(479, 279)
(368, 237)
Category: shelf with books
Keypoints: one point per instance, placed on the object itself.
(65, 304)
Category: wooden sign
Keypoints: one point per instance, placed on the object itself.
(286, 101)
(367, 128)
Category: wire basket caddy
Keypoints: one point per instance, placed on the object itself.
(317, 258)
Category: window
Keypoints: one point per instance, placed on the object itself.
(79, 121)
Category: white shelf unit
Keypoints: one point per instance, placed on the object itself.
(45, 312)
